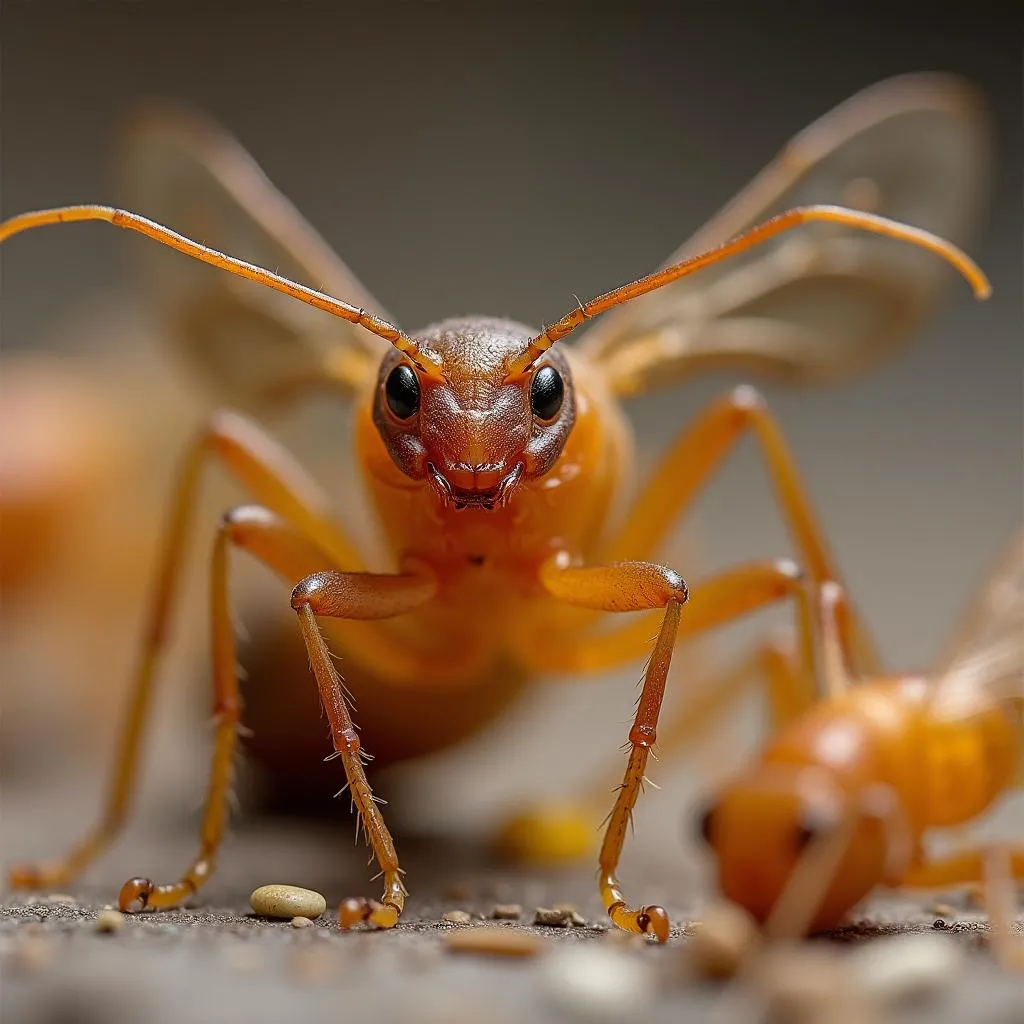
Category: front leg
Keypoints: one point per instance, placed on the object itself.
(626, 587)
(348, 595)
(544, 834)
(343, 595)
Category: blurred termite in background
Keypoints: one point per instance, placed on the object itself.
(850, 786)
(816, 306)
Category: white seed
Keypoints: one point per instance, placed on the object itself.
(301, 922)
(109, 921)
(287, 901)
(457, 917)
(906, 966)
(596, 982)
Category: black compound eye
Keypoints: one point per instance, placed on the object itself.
(402, 391)
(546, 393)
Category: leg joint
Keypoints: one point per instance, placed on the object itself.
(677, 588)
(747, 398)
(245, 515)
(306, 591)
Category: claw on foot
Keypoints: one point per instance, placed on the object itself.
(654, 920)
(135, 890)
(651, 920)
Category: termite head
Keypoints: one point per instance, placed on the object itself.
(762, 825)
(466, 425)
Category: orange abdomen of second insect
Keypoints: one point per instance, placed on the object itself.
(879, 739)
(945, 771)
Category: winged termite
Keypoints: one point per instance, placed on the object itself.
(492, 457)
(849, 791)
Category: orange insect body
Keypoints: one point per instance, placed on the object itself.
(879, 764)
(487, 559)
(494, 459)
(877, 734)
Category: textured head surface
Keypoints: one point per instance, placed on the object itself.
(474, 434)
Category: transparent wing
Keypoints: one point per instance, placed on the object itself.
(246, 341)
(986, 662)
(819, 303)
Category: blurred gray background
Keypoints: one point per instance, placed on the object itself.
(465, 159)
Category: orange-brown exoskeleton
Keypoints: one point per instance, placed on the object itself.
(844, 795)
(494, 460)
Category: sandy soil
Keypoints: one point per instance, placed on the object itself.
(217, 962)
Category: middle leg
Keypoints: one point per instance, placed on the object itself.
(688, 466)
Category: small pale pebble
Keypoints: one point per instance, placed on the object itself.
(942, 910)
(494, 940)
(287, 901)
(507, 912)
(552, 917)
(457, 917)
(906, 966)
(301, 922)
(109, 921)
(573, 916)
(596, 982)
(59, 897)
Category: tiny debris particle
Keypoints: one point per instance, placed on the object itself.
(109, 922)
(597, 982)
(722, 941)
(507, 912)
(301, 922)
(495, 941)
(286, 902)
(457, 917)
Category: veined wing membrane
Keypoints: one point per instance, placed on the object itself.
(248, 343)
(821, 303)
(985, 663)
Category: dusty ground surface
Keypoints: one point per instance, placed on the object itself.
(216, 961)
